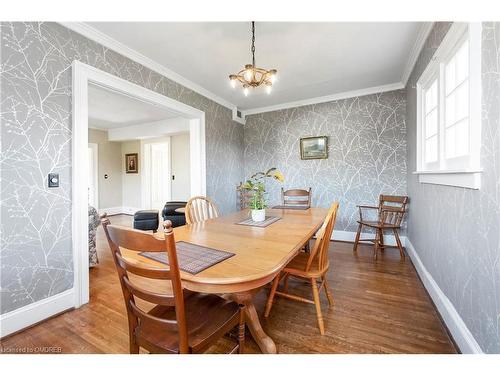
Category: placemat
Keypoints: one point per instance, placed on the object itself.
(268, 221)
(192, 258)
(290, 207)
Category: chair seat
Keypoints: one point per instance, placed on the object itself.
(376, 224)
(207, 316)
(298, 264)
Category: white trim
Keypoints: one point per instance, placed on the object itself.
(340, 235)
(35, 312)
(327, 98)
(469, 180)
(121, 210)
(83, 75)
(458, 330)
(423, 34)
(97, 36)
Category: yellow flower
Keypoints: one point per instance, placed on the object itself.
(279, 176)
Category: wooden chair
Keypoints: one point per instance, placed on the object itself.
(199, 209)
(311, 267)
(179, 322)
(243, 197)
(391, 210)
(296, 197)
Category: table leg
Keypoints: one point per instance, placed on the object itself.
(266, 344)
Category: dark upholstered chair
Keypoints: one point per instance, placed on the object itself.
(146, 220)
(177, 218)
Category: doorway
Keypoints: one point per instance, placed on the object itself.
(156, 181)
(83, 75)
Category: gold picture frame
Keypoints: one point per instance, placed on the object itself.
(314, 148)
(131, 163)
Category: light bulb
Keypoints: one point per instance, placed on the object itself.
(232, 82)
(248, 74)
(269, 88)
(272, 75)
(246, 91)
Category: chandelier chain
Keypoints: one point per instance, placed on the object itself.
(253, 43)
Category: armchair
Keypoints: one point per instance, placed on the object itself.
(390, 214)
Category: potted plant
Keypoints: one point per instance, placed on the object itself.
(255, 184)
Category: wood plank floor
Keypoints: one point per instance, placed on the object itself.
(380, 307)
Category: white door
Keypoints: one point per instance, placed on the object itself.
(93, 182)
(157, 167)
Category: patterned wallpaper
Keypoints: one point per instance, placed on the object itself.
(367, 151)
(36, 253)
(456, 231)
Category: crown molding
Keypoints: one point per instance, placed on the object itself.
(422, 36)
(105, 40)
(327, 98)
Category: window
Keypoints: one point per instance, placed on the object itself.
(449, 111)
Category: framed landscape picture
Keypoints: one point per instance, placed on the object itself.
(131, 163)
(314, 148)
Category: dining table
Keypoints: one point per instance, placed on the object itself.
(260, 253)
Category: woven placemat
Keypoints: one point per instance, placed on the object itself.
(191, 258)
(290, 207)
(268, 221)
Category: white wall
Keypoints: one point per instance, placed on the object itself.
(110, 163)
(122, 190)
(131, 182)
(181, 185)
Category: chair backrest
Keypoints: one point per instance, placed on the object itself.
(319, 252)
(199, 209)
(243, 197)
(296, 197)
(135, 240)
(391, 209)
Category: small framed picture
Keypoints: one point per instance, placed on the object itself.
(131, 163)
(314, 148)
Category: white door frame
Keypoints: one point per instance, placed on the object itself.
(95, 151)
(83, 75)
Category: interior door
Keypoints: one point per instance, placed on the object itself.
(160, 174)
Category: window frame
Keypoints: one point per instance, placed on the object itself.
(463, 170)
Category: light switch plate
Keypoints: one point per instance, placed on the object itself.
(53, 180)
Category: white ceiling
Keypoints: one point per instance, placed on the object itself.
(110, 110)
(312, 59)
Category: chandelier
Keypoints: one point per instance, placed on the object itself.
(252, 76)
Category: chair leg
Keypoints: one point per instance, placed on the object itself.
(270, 299)
(400, 246)
(381, 238)
(134, 348)
(329, 296)
(376, 245)
(317, 304)
(285, 283)
(356, 241)
(241, 332)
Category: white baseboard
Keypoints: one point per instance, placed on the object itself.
(33, 313)
(459, 331)
(340, 235)
(122, 210)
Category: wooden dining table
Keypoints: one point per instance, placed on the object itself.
(260, 253)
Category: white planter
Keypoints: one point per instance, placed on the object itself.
(259, 215)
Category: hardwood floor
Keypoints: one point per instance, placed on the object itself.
(380, 307)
